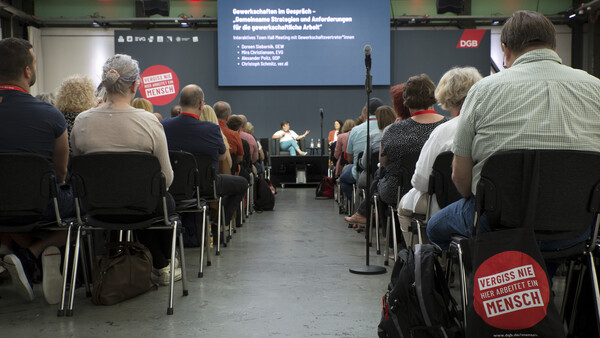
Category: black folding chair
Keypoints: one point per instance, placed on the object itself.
(557, 191)
(123, 191)
(185, 190)
(405, 174)
(27, 185)
(208, 191)
(441, 186)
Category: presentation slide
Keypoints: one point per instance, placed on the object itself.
(302, 43)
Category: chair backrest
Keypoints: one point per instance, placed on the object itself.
(206, 176)
(27, 182)
(555, 191)
(185, 175)
(374, 161)
(275, 146)
(407, 168)
(112, 183)
(359, 157)
(440, 180)
(247, 162)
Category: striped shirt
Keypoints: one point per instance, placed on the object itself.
(538, 103)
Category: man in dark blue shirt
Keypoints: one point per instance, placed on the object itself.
(32, 126)
(187, 133)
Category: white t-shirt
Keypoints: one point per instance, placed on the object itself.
(287, 136)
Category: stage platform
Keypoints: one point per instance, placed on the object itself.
(287, 170)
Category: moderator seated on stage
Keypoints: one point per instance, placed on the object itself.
(288, 139)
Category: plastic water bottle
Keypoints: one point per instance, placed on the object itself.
(319, 143)
(312, 143)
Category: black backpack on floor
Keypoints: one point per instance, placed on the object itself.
(418, 302)
(265, 200)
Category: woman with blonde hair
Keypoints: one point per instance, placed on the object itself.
(208, 114)
(75, 95)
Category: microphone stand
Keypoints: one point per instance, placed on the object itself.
(322, 145)
(368, 269)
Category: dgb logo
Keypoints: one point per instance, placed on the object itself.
(469, 43)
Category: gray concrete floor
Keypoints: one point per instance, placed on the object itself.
(284, 274)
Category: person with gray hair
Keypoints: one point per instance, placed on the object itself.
(116, 126)
(450, 93)
(187, 132)
(536, 103)
(223, 112)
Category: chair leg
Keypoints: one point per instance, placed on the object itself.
(92, 256)
(394, 237)
(86, 278)
(219, 227)
(248, 192)
(594, 280)
(207, 240)
(463, 285)
(183, 266)
(74, 271)
(568, 285)
(386, 259)
(172, 265)
(376, 206)
(203, 244)
(61, 307)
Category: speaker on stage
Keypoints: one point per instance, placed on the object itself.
(145, 8)
(454, 6)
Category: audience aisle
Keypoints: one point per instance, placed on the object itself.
(284, 274)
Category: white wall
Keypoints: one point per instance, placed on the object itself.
(563, 44)
(69, 51)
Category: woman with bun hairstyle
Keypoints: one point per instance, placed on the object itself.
(116, 126)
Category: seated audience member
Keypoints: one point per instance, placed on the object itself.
(32, 126)
(340, 147)
(249, 138)
(450, 93)
(332, 137)
(235, 123)
(46, 97)
(385, 116)
(116, 126)
(75, 94)
(223, 112)
(402, 112)
(208, 114)
(249, 128)
(175, 110)
(141, 103)
(357, 142)
(536, 103)
(404, 138)
(288, 139)
(188, 133)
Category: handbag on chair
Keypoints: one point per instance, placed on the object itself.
(509, 291)
(123, 272)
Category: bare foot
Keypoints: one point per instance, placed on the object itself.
(356, 219)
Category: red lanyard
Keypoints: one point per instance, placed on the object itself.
(423, 112)
(8, 87)
(192, 115)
